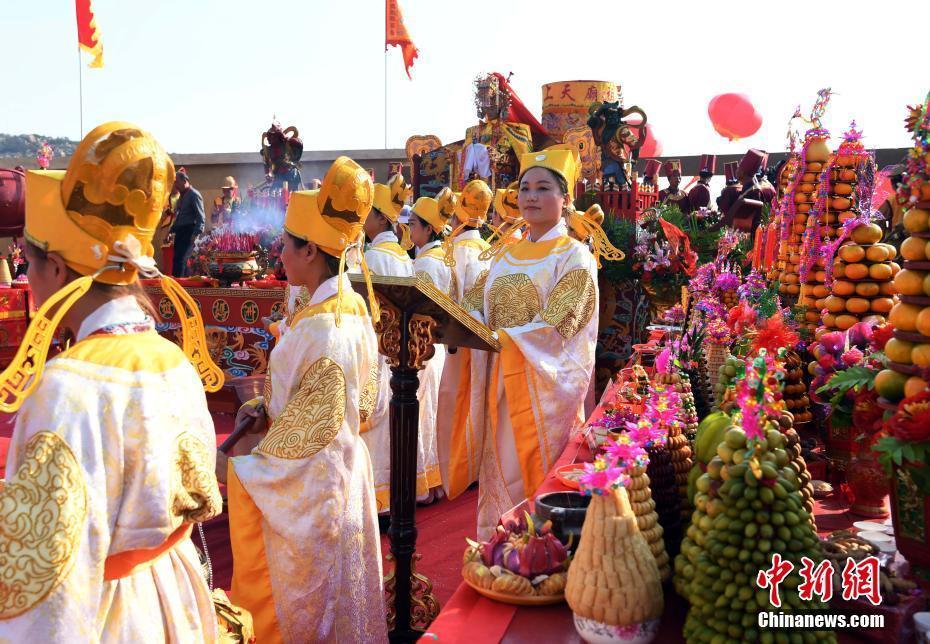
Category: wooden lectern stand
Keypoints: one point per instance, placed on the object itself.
(415, 315)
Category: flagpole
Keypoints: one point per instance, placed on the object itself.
(80, 91)
(385, 96)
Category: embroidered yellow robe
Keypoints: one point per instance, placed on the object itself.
(385, 257)
(303, 524)
(113, 454)
(541, 298)
(460, 431)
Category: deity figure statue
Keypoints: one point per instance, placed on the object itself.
(619, 140)
(281, 152)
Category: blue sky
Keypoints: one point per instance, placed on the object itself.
(207, 75)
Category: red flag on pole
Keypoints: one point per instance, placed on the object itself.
(395, 33)
(88, 39)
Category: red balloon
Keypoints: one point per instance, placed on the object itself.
(652, 147)
(734, 116)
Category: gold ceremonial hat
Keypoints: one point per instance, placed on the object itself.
(332, 217)
(389, 199)
(100, 216)
(427, 209)
(113, 193)
(587, 227)
(446, 199)
(505, 202)
(473, 203)
(564, 163)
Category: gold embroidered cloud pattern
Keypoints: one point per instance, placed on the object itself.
(312, 418)
(42, 512)
(195, 493)
(512, 301)
(571, 303)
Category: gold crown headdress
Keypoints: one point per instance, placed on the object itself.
(100, 216)
(333, 218)
(471, 209)
(505, 204)
(389, 200)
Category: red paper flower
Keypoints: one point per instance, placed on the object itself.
(912, 420)
(880, 336)
(773, 335)
(866, 414)
(741, 317)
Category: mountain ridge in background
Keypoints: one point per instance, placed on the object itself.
(26, 145)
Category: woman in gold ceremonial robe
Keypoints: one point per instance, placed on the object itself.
(386, 255)
(541, 299)
(461, 390)
(303, 523)
(111, 459)
(428, 228)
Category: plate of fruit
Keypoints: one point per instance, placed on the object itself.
(520, 564)
(569, 474)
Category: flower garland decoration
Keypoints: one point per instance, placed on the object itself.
(917, 172)
(611, 470)
(752, 287)
(758, 395)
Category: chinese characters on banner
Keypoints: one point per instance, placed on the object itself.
(860, 579)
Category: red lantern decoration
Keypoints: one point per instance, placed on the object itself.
(734, 116)
(651, 146)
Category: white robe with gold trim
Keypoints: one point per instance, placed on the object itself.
(113, 452)
(541, 298)
(385, 257)
(430, 265)
(303, 523)
(464, 376)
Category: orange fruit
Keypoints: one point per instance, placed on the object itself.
(865, 289)
(909, 282)
(798, 228)
(800, 219)
(793, 289)
(843, 322)
(882, 305)
(916, 220)
(839, 269)
(920, 355)
(789, 278)
(927, 250)
(867, 234)
(828, 320)
(820, 276)
(899, 350)
(877, 253)
(820, 304)
(881, 272)
(890, 384)
(913, 249)
(851, 253)
(895, 267)
(856, 271)
(904, 316)
(813, 166)
(914, 385)
(835, 304)
(803, 208)
(844, 288)
(923, 322)
(846, 216)
(842, 189)
(887, 288)
(857, 305)
(820, 290)
(927, 285)
(812, 315)
(840, 203)
(799, 197)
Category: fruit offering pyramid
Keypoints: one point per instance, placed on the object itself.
(647, 519)
(862, 271)
(795, 392)
(810, 195)
(664, 486)
(909, 350)
(786, 179)
(748, 507)
(613, 578)
(801, 196)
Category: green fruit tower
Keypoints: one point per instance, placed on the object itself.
(747, 507)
